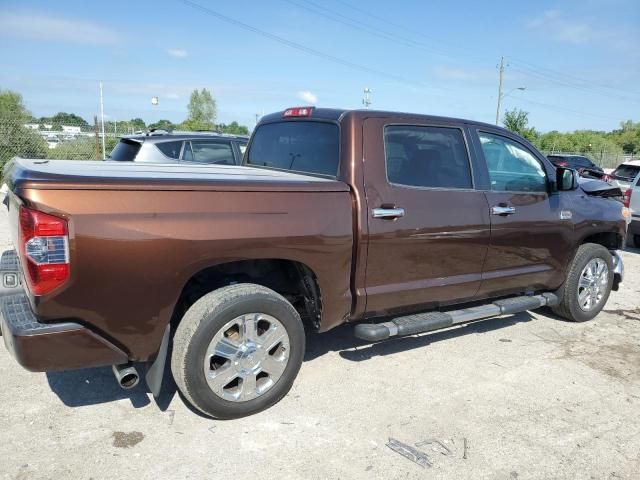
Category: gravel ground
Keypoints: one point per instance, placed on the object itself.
(532, 397)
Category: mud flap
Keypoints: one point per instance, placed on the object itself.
(156, 370)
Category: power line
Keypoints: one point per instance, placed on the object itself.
(533, 73)
(387, 21)
(567, 78)
(362, 26)
(301, 47)
(562, 109)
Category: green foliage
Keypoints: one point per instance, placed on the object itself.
(517, 121)
(15, 138)
(163, 125)
(66, 119)
(83, 148)
(202, 111)
(233, 128)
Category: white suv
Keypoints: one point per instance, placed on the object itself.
(632, 200)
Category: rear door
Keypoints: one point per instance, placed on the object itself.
(530, 231)
(428, 226)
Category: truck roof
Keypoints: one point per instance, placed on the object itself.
(336, 114)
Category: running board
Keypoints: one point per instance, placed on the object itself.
(427, 322)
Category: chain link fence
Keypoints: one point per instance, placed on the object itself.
(603, 158)
(68, 141)
(83, 141)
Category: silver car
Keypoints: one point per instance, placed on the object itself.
(178, 147)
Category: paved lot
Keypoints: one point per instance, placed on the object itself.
(535, 397)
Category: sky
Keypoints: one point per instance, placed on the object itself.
(579, 61)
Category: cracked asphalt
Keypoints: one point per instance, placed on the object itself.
(531, 396)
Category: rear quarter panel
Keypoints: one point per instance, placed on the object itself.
(132, 252)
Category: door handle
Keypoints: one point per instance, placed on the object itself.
(503, 210)
(387, 213)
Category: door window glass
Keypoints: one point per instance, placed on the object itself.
(210, 152)
(512, 168)
(170, 149)
(434, 157)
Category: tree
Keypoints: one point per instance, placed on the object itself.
(15, 138)
(517, 120)
(202, 111)
(162, 125)
(233, 128)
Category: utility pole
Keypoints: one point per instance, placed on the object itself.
(500, 90)
(102, 121)
(366, 99)
(95, 129)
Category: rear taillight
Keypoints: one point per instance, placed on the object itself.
(44, 248)
(627, 198)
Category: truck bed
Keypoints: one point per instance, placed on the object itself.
(105, 175)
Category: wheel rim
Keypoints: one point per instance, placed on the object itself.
(593, 284)
(246, 357)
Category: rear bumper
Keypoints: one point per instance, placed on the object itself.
(44, 347)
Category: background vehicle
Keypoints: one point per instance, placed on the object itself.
(625, 173)
(242, 262)
(188, 147)
(582, 164)
(632, 199)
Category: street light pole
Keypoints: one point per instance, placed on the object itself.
(500, 89)
(102, 122)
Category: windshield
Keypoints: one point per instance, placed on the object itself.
(626, 172)
(310, 147)
(125, 151)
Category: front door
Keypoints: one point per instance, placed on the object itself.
(529, 239)
(428, 227)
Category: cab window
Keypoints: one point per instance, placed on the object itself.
(512, 168)
(430, 157)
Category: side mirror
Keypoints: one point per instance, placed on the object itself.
(566, 179)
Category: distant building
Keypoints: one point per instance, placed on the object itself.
(70, 130)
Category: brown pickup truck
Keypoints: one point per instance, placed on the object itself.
(402, 223)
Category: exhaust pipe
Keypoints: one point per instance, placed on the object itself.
(126, 375)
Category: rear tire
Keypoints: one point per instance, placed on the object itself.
(586, 289)
(256, 317)
(633, 241)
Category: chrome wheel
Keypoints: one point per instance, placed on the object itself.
(593, 284)
(246, 357)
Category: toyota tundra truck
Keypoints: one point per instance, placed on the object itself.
(397, 223)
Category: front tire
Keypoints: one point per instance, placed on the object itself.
(237, 351)
(586, 289)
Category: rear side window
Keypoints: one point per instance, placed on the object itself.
(310, 147)
(433, 157)
(209, 152)
(170, 149)
(125, 151)
(512, 168)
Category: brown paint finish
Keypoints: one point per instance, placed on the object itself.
(133, 252)
(139, 233)
(432, 255)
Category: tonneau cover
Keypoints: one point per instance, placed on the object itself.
(23, 173)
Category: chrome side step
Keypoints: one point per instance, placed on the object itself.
(427, 322)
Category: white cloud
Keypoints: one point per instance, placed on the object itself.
(177, 52)
(556, 25)
(308, 97)
(38, 26)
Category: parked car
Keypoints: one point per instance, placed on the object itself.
(183, 147)
(632, 200)
(582, 164)
(392, 221)
(625, 173)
